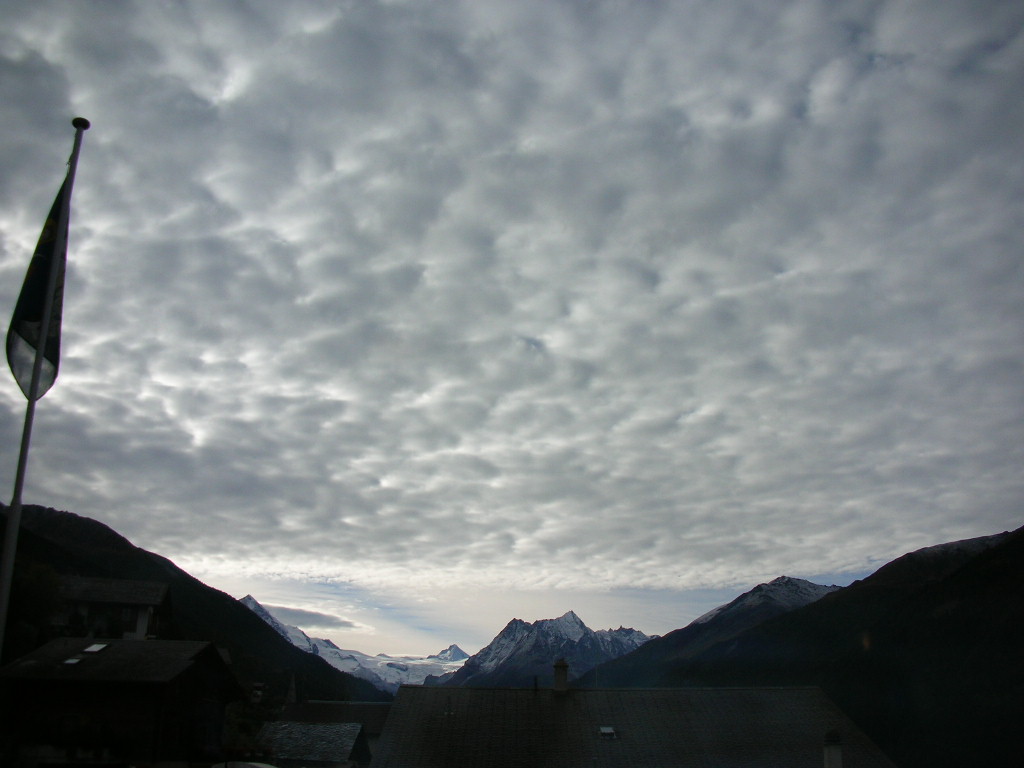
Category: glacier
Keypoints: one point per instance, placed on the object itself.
(382, 671)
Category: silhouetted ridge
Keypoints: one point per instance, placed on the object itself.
(65, 543)
(924, 654)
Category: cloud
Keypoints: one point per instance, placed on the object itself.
(548, 296)
(302, 618)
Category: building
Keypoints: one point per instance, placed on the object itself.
(703, 727)
(115, 608)
(371, 715)
(289, 744)
(114, 702)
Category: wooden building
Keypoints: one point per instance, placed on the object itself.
(115, 608)
(114, 702)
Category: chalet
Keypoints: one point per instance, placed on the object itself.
(114, 608)
(114, 702)
(701, 727)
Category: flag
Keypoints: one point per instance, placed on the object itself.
(23, 335)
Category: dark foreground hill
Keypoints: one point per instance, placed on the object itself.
(53, 543)
(926, 654)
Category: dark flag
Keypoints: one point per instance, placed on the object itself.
(23, 336)
(33, 347)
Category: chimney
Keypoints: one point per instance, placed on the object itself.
(561, 676)
(833, 750)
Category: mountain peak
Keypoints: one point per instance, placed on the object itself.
(784, 592)
(793, 592)
(523, 653)
(256, 607)
(568, 626)
(451, 653)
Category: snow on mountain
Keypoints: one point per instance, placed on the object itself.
(763, 602)
(935, 562)
(965, 547)
(523, 652)
(383, 671)
(451, 653)
(294, 635)
(784, 592)
(569, 626)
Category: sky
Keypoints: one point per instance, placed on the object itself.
(411, 317)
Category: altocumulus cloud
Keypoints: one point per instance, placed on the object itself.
(588, 296)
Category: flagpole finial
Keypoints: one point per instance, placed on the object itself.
(81, 122)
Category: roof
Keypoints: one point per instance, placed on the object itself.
(88, 589)
(314, 742)
(516, 728)
(93, 660)
(370, 714)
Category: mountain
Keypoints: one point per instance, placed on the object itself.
(52, 543)
(389, 672)
(522, 654)
(293, 635)
(451, 653)
(924, 654)
(643, 666)
(777, 596)
(382, 671)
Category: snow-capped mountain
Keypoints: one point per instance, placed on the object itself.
(452, 653)
(763, 602)
(293, 635)
(522, 653)
(383, 671)
(785, 593)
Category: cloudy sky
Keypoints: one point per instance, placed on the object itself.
(414, 317)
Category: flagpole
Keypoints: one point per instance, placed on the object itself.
(14, 510)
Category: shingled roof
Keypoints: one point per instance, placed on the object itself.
(520, 728)
(314, 743)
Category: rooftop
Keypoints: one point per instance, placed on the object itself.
(311, 742)
(719, 727)
(95, 660)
